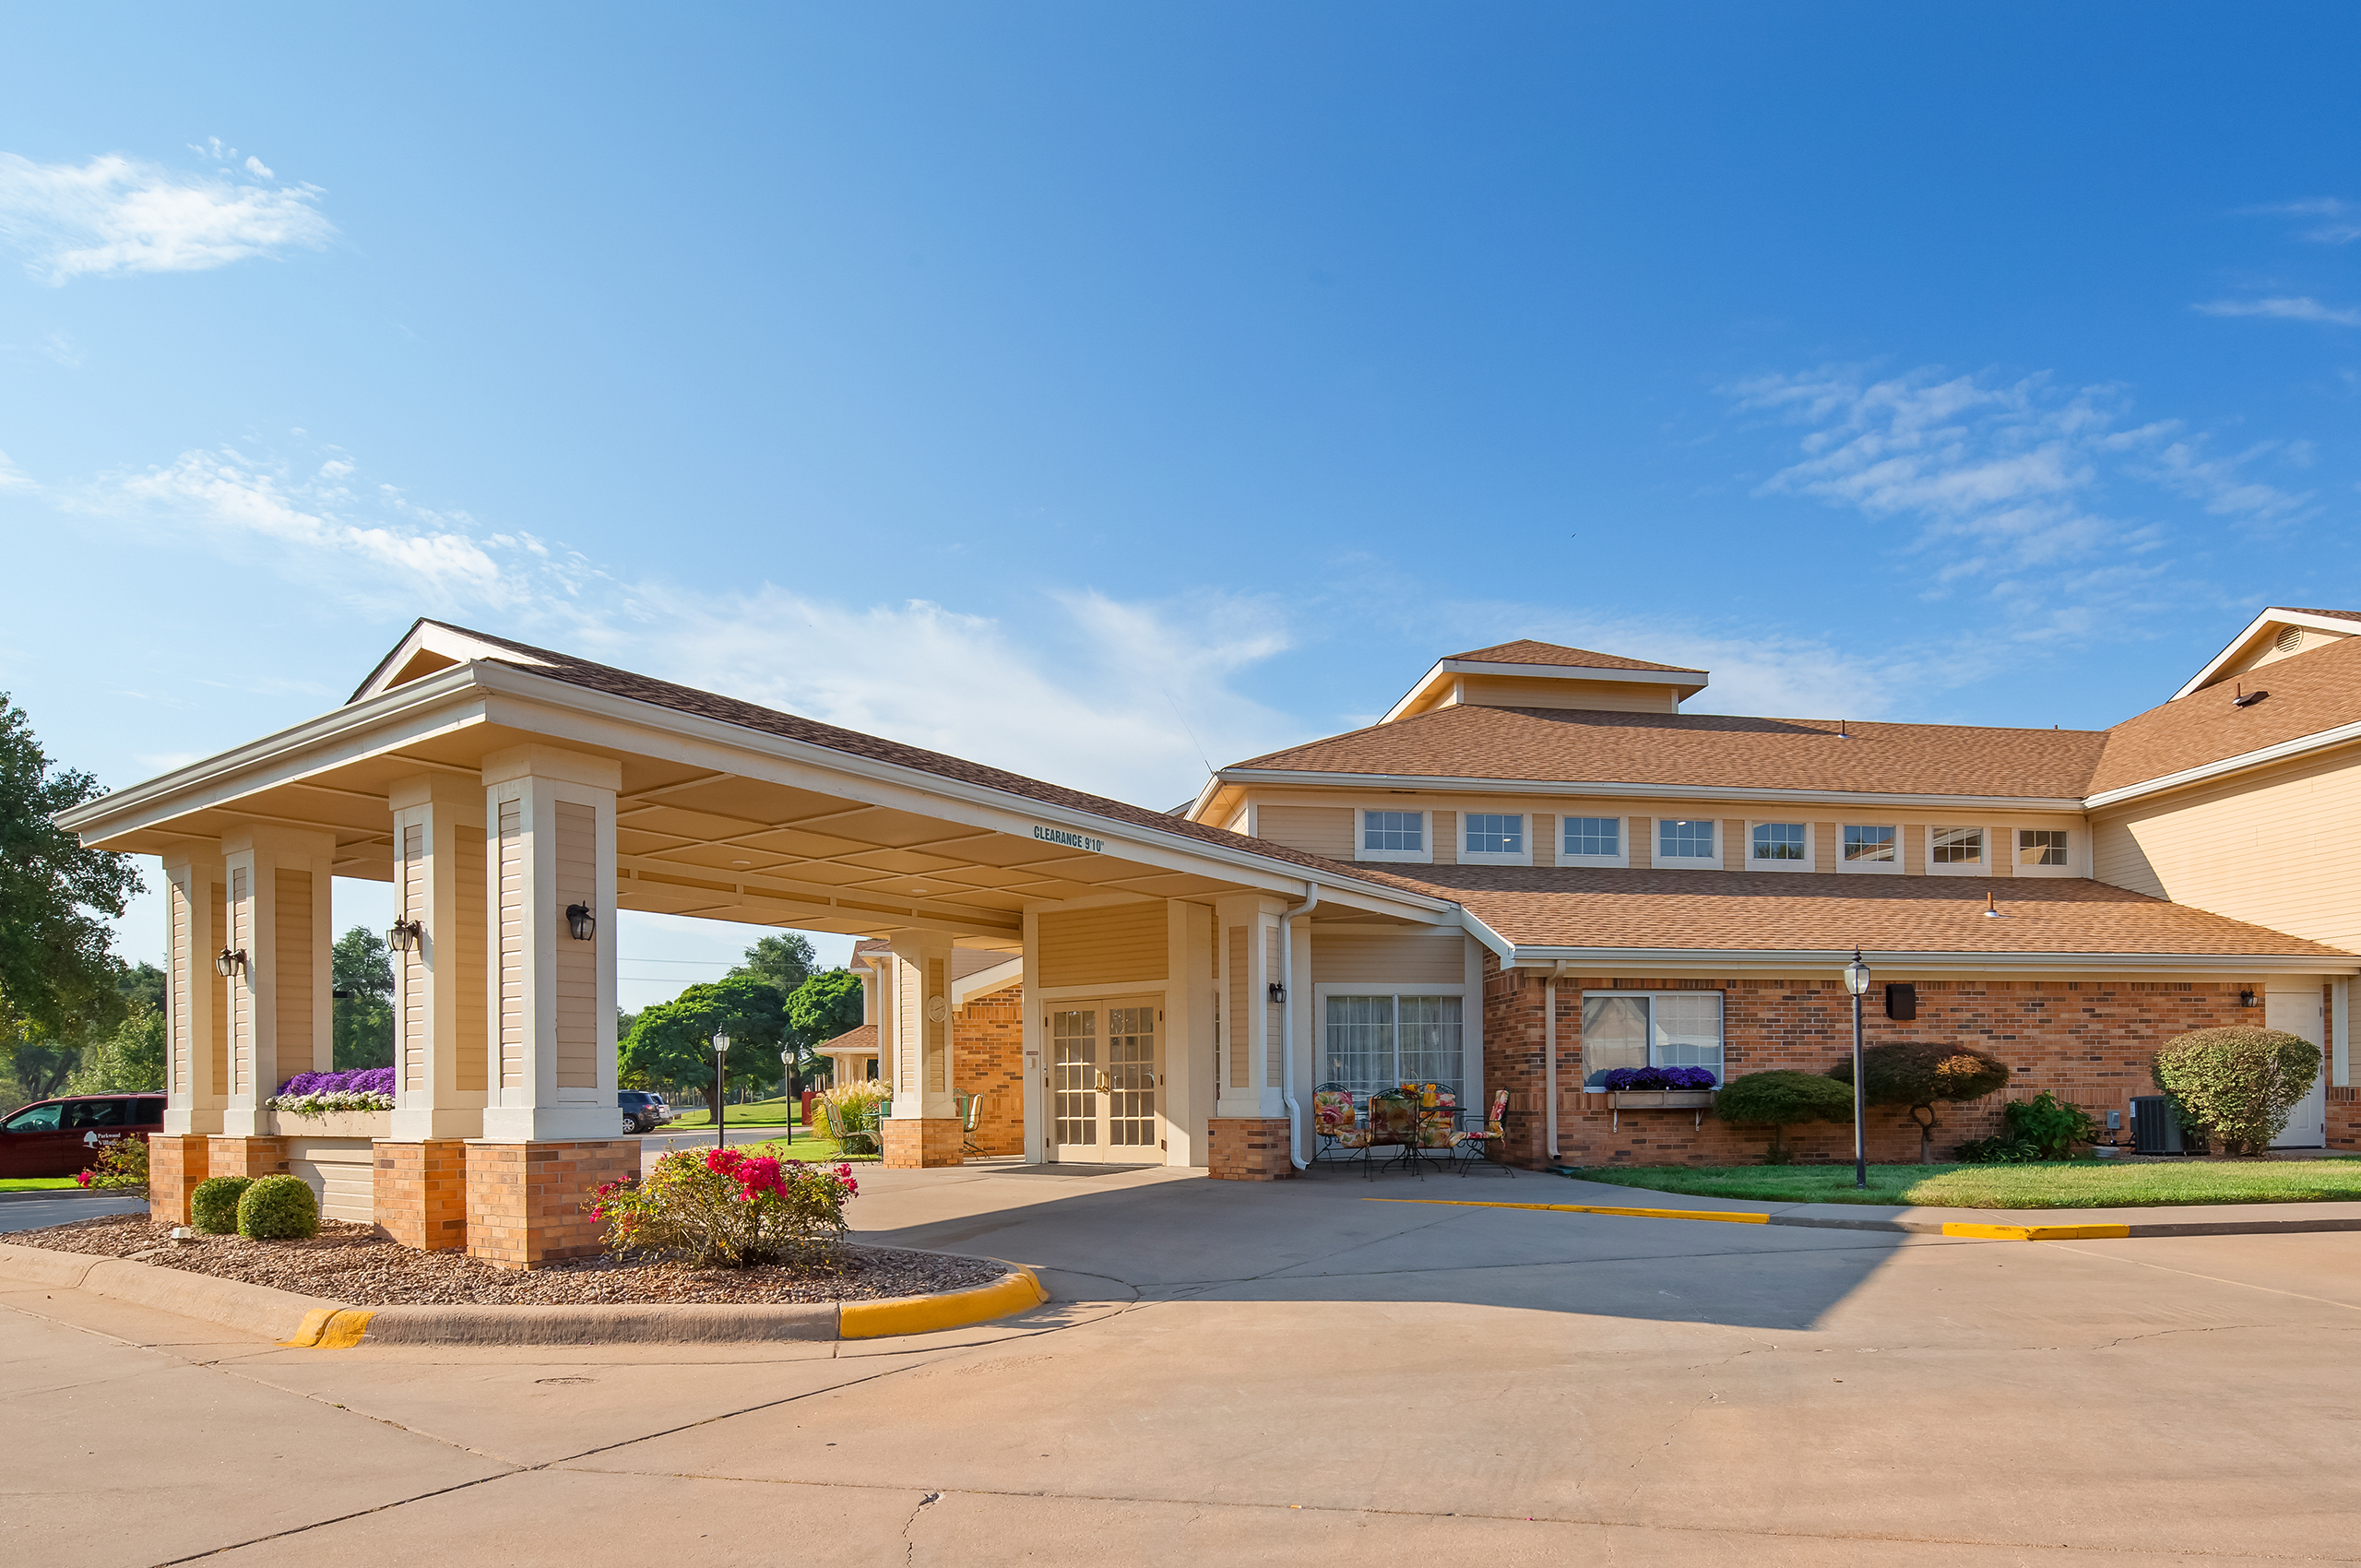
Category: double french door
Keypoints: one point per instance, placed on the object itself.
(1106, 1082)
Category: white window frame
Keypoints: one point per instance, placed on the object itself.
(2073, 853)
(1657, 858)
(1622, 839)
(1982, 868)
(1874, 868)
(1812, 846)
(1582, 1053)
(1469, 856)
(1471, 1044)
(1401, 857)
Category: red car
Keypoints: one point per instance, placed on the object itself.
(57, 1138)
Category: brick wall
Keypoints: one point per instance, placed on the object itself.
(2087, 1040)
(987, 1059)
(915, 1143)
(177, 1163)
(421, 1196)
(525, 1200)
(228, 1156)
(1248, 1148)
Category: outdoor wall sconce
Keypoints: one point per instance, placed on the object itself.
(2246, 999)
(403, 936)
(1278, 991)
(583, 924)
(229, 962)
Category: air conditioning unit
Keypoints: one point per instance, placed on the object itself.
(2154, 1128)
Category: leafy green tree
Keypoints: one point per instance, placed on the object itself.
(361, 967)
(783, 960)
(58, 970)
(141, 985)
(671, 1043)
(1779, 1100)
(822, 1008)
(130, 1060)
(1920, 1074)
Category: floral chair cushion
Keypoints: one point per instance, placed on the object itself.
(1392, 1121)
(1333, 1112)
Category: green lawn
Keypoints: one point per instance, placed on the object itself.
(2081, 1183)
(754, 1113)
(33, 1183)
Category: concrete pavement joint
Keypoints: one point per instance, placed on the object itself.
(2192, 1274)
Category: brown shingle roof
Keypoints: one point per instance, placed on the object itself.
(1527, 651)
(2318, 689)
(1708, 749)
(605, 678)
(861, 1036)
(2340, 614)
(1566, 906)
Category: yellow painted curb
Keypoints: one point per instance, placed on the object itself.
(330, 1328)
(1724, 1217)
(920, 1314)
(2038, 1232)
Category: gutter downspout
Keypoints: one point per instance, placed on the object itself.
(1549, 1052)
(1286, 1024)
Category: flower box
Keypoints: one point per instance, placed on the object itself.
(335, 1124)
(1660, 1099)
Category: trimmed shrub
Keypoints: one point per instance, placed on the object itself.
(2240, 1085)
(2043, 1127)
(121, 1166)
(279, 1209)
(213, 1205)
(1779, 1100)
(1920, 1074)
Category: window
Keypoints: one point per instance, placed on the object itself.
(40, 1119)
(1595, 837)
(1679, 1029)
(2041, 846)
(1398, 831)
(1685, 838)
(1493, 834)
(1779, 841)
(1377, 1041)
(1956, 846)
(1871, 844)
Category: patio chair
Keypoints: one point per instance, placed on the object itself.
(1394, 1123)
(1338, 1126)
(971, 1105)
(854, 1134)
(1477, 1146)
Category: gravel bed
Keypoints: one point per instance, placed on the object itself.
(354, 1265)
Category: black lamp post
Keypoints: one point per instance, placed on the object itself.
(786, 1088)
(721, 1111)
(1856, 980)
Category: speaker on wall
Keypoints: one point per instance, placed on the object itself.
(1902, 1001)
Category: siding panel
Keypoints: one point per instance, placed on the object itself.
(183, 962)
(1319, 830)
(1234, 1040)
(1387, 960)
(512, 944)
(1119, 945)
(411, 903)
(467, 955)
(576, 1009)
(292, 971)
(242, 991)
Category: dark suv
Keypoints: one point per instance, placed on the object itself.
(643, 1112)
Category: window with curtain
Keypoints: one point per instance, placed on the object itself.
(1677, 1028)
(1378, 1040)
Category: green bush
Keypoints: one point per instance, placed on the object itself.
(2239, 1085)
(277, 1208)
(1780, 1100)
(213, 1206)
(2043, 1127)
(1922, 1074)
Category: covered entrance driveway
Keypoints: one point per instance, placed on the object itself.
(517, 798)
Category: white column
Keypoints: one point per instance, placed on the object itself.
(1189, 1015)
(1037, 1045)
(440, 990)
(1249, 925)
(196, 1072)
(281, 1009)
(922, 1084)
(551, 816)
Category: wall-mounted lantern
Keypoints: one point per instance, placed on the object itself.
(230, 961)
(1278, 992)
(581, 921)
(403, 936)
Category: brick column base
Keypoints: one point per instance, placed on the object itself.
(227, 1155)
(177, 1163)
(914, 1143)
(421, 1193)
(525, 1200)
(1248, 1148)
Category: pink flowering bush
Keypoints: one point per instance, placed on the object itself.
(730, 1208)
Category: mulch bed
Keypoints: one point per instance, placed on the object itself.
(354, 1265)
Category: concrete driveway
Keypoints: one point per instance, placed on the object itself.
(1250, 1374)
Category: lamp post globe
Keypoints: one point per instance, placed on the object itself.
(1856, 980)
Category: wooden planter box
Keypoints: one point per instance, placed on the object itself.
(335, 1124)
(1660, 1099)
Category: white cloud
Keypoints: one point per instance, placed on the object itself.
(2342, 224)
(254, 166)
(2294, 307)
(13, 477)
(115, 216)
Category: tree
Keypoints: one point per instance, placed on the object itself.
(672, 1042)
(822, 1008)
(2238, 1083)
(1779, 1100)
(1920, 1074)
(131, 1061)
(361, 967)
(783, 960)
(58, 966)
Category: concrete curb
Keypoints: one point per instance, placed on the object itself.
(51, 1194)
(1931, 1227)
(308, 1323)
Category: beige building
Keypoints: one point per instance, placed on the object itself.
(1535, 866)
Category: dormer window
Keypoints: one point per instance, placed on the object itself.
(1493, 834)
(1394, 830)
(1687, 842)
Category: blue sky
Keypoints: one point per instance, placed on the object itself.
(1097, 389)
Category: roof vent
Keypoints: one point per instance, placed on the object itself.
(2246, 698)
(2289, 639)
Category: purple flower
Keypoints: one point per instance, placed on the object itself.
(357, 1080)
